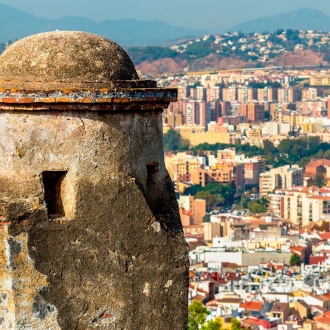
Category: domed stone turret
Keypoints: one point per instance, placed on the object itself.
(91, 236)
(64, 57)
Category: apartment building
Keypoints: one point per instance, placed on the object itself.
(246, 94)
(256, 112)
(195, 112)
(254, 137)
(317, 166)
(280, 178)
(316, 108)
(252, 112)
(310, 93)
(320, 80)
(180, 166)
(301, 205)
(229, 94)
(213, 108)
(275, 128)
(253, 167)
(225, 154)
(213, 93)
(225, 171)
(267, 94)
(289, 94)
(195, 207)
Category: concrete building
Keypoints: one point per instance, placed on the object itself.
(320, 80)
(254, 137)
(181, 166)
(229, 94)
(253, 167)
(289, 94)
(315, 167)
(256, 112)
(301, 205)
(225, 154)
(195, 112)
(213, 93)
(267, 94)
(196, 138)
(246, 94)
(214, 109)
(196, 207)
(317, 108)
(275, 128)
(310, 93)
(90, 229)
(224, 172)
(252, 112)
(280, 178)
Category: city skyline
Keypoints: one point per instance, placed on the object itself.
(211, 14)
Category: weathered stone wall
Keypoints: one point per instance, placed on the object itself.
(117, 258)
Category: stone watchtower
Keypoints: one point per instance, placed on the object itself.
(90, 232)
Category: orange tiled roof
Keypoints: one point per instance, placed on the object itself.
(298, 248)
(324, 236)
(252, 305)
(323, 318)
(315, 260)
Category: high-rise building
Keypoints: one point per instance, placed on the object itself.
(289, 94)
(229, 94)
(195, 112)
(301, 205)
(252, 112)
(246, 94)
(280, 178)
(253, 167)
(213, 93)
(256, 112)
(267, 94)
(310, 94)
(225, 171)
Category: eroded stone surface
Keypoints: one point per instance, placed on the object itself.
(122, 229)
(21, 304)
(65, 56)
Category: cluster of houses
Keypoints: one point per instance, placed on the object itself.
(255, 278)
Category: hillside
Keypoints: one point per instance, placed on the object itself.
(235, 50)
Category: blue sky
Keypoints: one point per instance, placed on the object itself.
(199, 14)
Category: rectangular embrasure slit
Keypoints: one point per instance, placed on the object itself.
(54, 186)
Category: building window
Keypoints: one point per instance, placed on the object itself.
(53, 186)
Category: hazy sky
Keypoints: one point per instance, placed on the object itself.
(217, 14)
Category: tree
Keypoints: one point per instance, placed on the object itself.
(193, 190)
(212, 325)
(258, 205)
(294, 260)
(197, 314)
(173, 141)
(327, 154)
(212, 200)
(319, 180)
(235, 324)
(215, 194)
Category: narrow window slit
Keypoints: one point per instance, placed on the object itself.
(53, 185)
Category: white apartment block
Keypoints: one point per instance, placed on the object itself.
(301, 205)
(280, 178)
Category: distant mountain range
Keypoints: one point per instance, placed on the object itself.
(16, 24)
(301, 19)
